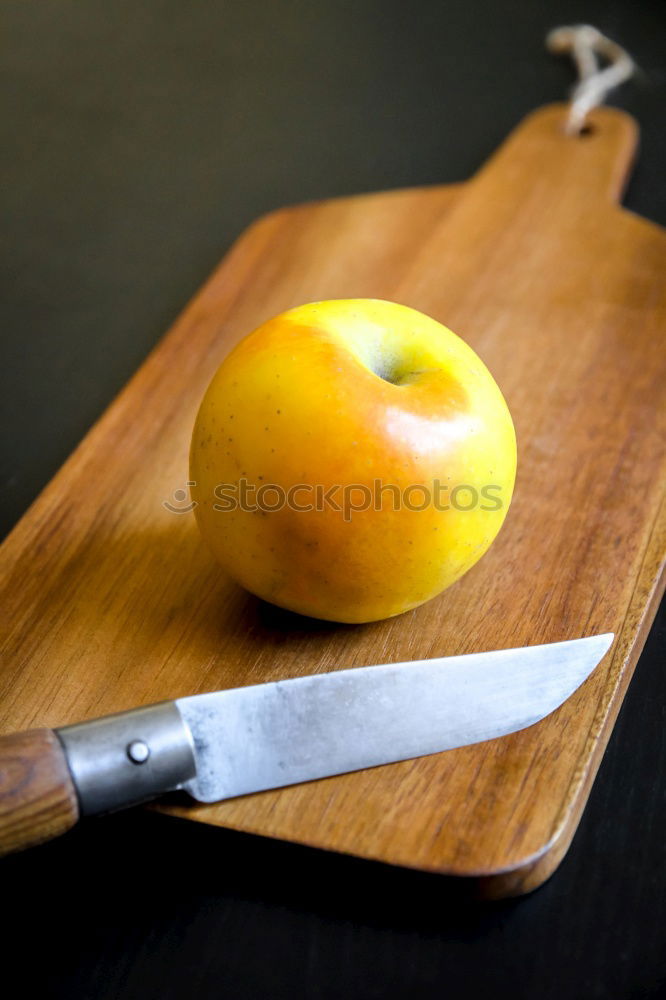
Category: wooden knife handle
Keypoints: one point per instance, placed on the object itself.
(37, 796)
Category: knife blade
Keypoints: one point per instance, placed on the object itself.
(249, 739)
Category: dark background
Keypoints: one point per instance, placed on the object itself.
(141, 138)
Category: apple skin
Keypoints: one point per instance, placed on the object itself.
(352, 391)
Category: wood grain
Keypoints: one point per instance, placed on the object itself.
(109, 600)
(37, 796)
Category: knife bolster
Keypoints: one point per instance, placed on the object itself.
(131, 757)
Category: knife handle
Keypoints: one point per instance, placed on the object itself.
(38, 800)
(49, 778)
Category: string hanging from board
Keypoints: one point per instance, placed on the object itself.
(586, 44)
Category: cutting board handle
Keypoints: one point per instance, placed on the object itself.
(539, 156)
(543, 192)
(37, 796)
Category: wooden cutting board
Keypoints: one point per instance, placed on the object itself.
(109, 600)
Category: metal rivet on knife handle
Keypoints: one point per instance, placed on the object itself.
(138, 752)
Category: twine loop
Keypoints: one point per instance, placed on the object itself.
(586, 44)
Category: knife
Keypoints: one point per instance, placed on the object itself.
(248, 739)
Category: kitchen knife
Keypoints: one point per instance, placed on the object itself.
(252, 738)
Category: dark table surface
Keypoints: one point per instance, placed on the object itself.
(141, 138)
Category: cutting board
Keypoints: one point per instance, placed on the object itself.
(110, 600)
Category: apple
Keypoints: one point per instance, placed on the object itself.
(351, 459)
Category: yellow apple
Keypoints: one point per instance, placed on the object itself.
(351, 459)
